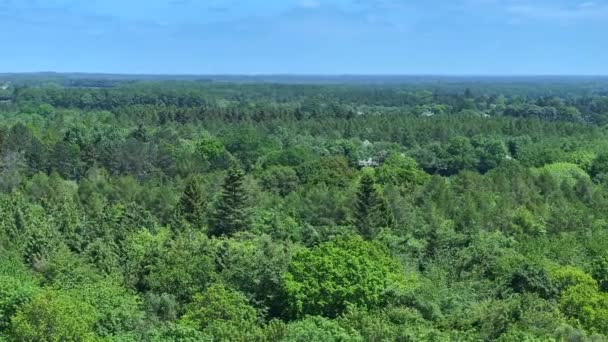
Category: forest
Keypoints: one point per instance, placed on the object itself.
(276, 210)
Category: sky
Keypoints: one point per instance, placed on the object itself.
(421, 37)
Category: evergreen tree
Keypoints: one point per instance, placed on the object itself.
(232, 211)
(192, 204)
(371, 209)
(384, 215)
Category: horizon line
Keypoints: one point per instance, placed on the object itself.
(299, 74)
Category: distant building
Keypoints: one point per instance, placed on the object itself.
(368, 163)
(4, 86)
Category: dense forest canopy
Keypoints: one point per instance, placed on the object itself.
(232, 208)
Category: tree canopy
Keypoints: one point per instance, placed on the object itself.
(461, 210)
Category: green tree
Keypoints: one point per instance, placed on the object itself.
(66, 159)
(335, 275)
(402, 171)
(218, 310)
(17, 287)
(280, 179)
(232, 210)
(599, 166)
(319, 329)
(192, 204)
(460, 155)
(254, 266)
(371, 210)
(588, 305)
(53, 316)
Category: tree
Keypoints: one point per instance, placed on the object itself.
(461, 155)
(222, 314)
(319, 329)
(400, 170)
(371, 210)
(600, 271)
(491, 152)
(254, 266)
(19, 138)
(232, 210)
(140, 133)
(280, 179)
(192, 204)
(588, 305)
(66, 159)
(17, 287)
(335, 275)
(54, 316)
(599, 166)
(12, 170)
(218, 303)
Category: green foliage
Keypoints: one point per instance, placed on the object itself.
(566, 277)
(371, 209)
(461, 155)
(566, 173)
(281, 180)
(318, 329)
(17, 287)
(232, 210)
(491, 152)
(481, 210)
(182, 266)
(599, 166)
(211, 150)
(587, 305)
(192, 204)
(532, 278)
(525, 222)
(331, 171)
(401, 170)
(54, 316)
(255, 266)
(221, 313)
(336, 275)
(600, 271)
(392, 324)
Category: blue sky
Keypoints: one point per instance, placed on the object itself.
(498, 37)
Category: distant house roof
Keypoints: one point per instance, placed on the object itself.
(368, 162)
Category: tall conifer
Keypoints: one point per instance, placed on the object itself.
(232, 210)
(192, 204)
(371, 209)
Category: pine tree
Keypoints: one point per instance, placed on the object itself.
(232, 211)
(192, 204)
(384, 215)
(371, 209)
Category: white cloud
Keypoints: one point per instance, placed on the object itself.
(587, 4)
